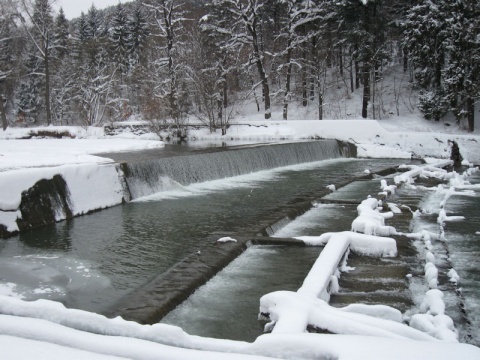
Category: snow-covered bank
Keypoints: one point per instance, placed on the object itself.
(91, 187)
(93, 182)
(374, 138)
(50, 331)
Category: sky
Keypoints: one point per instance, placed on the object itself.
(73, 8)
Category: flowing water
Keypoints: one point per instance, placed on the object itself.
(227, 306)
(92, 261)
(214, 309)
(459, 250)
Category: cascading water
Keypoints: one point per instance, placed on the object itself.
(148, 177)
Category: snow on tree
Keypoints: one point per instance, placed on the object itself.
(244, 34)
(94, 89)
(7, 26)
(138, 33)
(93, 26)
(462, 71)
(29, 101)
(425, 42)
(442, 38)
(118, 37)
(40, 31)
(171, 71)
(364, 25)
(61, 35)
(62, 74)
(213, 67)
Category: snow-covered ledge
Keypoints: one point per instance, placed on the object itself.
(292, 312)
(435, 169)
(324, 270)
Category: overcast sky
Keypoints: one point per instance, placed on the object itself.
(73, 8)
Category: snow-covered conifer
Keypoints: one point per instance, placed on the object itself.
(118, 38)
(40, 32)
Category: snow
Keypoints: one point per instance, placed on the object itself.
(44, 329)
(226, 239)
(371, 221)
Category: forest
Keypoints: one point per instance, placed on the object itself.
(168, 61)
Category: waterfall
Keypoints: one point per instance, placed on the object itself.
(151, 176)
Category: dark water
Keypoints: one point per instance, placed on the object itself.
(460, 250)
(92, 261)
(227, 306)
(463, 243)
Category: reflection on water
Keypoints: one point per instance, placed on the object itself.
(128, 245)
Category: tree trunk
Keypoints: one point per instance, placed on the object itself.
(470, 114)
(352, 85)
(312, 71)
(261, 71)
(3, 114)
(357, 71)
(266, 91)
(286, 98)
(219, 116)
(320, 105)
(304, 79)
(366, 90)
(405, 60)
(340, 60)
(47, 85)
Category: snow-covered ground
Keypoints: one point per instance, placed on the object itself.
(46, 330)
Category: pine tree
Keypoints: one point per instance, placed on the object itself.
(364, 26)
(462, 72)
(29, 101)
(138, 32)
(63, 74)
(41, 35)
(81, 32)
(93, 23)
(61, 35)
(425, 42)
(118, 37)
(7, 25)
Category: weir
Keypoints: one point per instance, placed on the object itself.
(143, 173)
(167, 173)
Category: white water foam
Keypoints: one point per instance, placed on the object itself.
(253, 180)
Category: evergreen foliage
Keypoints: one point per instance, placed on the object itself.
(171, 59)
